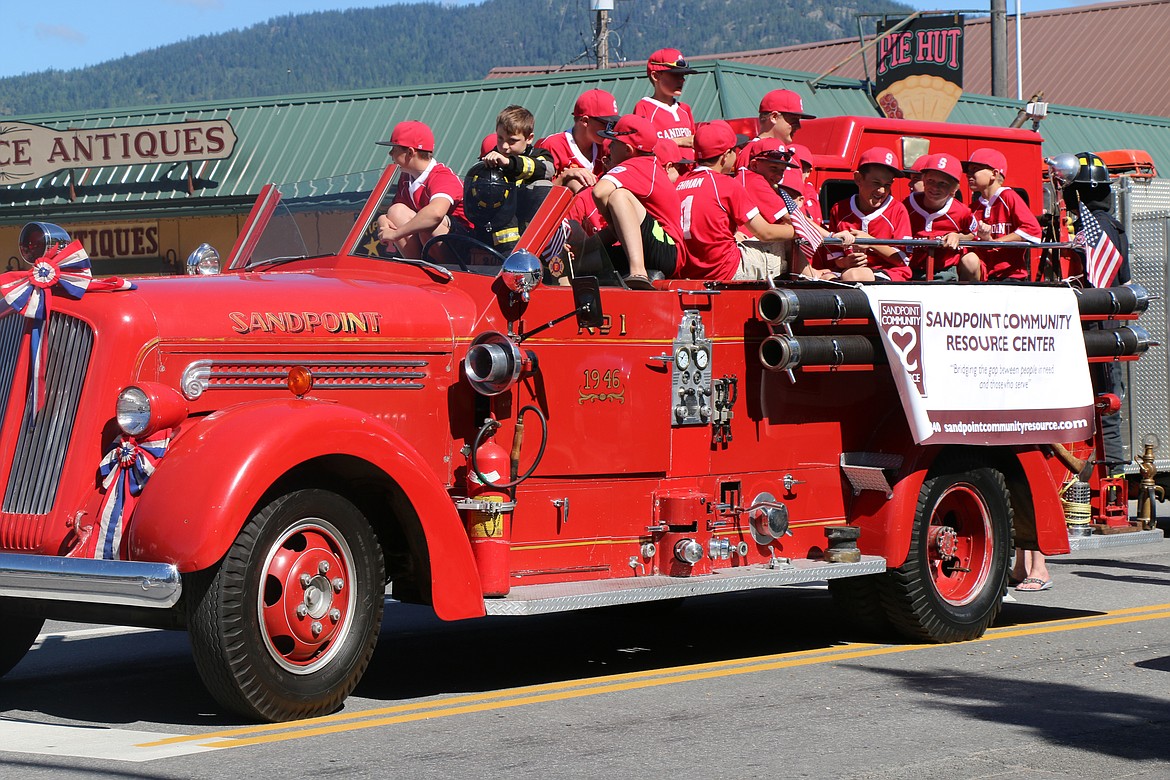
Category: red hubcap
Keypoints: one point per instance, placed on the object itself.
(959, 544)
(305, 604)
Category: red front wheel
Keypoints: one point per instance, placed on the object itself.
(286, 625)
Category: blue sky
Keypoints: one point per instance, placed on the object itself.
(69, 34)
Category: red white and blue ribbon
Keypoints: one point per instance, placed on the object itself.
(124, 472)
(65, 268)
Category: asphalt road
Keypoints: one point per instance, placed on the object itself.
(1072, 683)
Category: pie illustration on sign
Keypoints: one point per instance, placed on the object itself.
(923, 97)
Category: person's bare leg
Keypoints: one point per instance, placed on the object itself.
(625, 214)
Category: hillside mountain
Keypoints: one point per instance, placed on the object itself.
(423, 43)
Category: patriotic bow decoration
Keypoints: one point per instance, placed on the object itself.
(556, 243)
(124, 472)
(1102, 259)
(30, 292)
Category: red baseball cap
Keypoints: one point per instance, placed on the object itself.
(879, 155)
(785, 101)
(668, 61)
(597, 104)
(714, 138)
(770, 149)
(634, 131)
(801, 154)
(943, 163)
(667, 151)
(488, 144)
(793, 181)
(990, 158)
(412, 135)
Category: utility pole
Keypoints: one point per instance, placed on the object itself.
(601, 30)
(999, 68)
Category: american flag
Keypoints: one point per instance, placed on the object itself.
(804, 227)
(1102, 260)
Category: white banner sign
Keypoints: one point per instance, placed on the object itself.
(987, 365)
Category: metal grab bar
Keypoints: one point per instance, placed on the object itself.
(937, 242)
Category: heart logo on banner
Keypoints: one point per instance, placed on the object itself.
(904, 340)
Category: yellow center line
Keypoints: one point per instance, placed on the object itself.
(572, 689)
(497, 695)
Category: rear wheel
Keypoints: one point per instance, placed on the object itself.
(20, 632)
(951, 586)
(285, 626)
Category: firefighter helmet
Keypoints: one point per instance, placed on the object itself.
(489, 197)
(1093, 170)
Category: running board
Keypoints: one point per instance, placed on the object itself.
(562, 597)
(1101, 541)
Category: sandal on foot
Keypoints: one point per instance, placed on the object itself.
(1033, 584)
(638, 282)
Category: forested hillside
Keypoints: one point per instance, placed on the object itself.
(422, 43)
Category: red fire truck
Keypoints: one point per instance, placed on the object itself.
(260, 455)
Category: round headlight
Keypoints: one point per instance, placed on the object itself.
(133, 411)
(37, 237)
(148, 407)
(204, 261)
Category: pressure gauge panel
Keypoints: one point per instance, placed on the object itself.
(691, 373)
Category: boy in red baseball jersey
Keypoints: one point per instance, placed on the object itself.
(780, 113)
(873, 213)
(577, 152)
(768, 161)
(638, 202)
(1002, 215)
(671, 118)
(714, 206)
(429, 200)
(936, 213)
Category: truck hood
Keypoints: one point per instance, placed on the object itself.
(311, 307)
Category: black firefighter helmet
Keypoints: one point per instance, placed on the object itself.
(489, 198)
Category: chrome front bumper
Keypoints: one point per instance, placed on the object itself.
(126, 583)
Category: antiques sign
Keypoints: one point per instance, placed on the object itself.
(29, 152)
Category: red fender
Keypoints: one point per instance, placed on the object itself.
(886, 524)
(1051, 530)
(212, 476)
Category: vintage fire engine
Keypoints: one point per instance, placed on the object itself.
(254, 455)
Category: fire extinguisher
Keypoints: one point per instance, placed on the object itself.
(492, 499)
(488, 525)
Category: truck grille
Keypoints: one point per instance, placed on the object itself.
(43, 438)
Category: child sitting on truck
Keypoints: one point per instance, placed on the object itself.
(526, 169)
(429, 201)
(872, 213)
(639, 203)
(1002, 215)
(936, 213)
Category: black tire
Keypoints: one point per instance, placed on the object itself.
(267, 645)
(20, 633)
(951, 586)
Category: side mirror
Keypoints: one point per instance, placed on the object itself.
(587, 299)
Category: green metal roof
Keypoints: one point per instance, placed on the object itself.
(300, 137)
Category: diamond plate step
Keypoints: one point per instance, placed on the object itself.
(561, 597)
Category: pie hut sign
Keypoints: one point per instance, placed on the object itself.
(29, 152)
